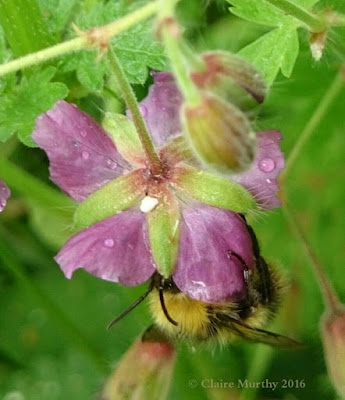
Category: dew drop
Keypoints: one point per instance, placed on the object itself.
(143, 110)
(268, 180)
(111, 164)
(267, 165)
(85, 155)
(75, 143)
(83, 133)
(108, 243)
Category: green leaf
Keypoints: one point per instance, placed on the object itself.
(214, 190)
(58, 13)
(274, 51)
(8, 81)
(164, 233)
(115, 196)
(258, 11)
(24, 25)
(32, 97)
(137, 48)
(278, 49)
(262, 12)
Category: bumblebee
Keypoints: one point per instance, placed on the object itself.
(177, 316)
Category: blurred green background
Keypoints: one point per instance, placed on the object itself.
(53, 339)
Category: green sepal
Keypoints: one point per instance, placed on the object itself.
(214, 190)
(115, 196)
(164, 232)
(178, 150)
(125, 136)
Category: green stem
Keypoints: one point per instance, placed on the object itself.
(330, 298)
(194, 60)
(81, 42)
(172, 38)
(58, 317)
(320, 111)
(179, 67)
(314, 23)
(258, 366)
(31, 187)
(132, 104)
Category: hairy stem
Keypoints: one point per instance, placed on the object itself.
(314, 23)
(132, 104)
(170, 33)
(319, 113)
(81, 42)
(330, 298)
(259, 364)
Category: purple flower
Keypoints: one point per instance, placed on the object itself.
(5, 193)
(121, 246)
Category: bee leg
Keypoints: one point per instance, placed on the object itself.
(262, 267)
(246, 275)
(161, 298)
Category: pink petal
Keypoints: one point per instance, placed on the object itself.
(82, 156)
(115, 249)
(205, 269)
(161, 108)
(5, 193)
(261, 178)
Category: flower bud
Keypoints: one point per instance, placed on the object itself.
(317, 43)
(144, 373)
(231, 77)
(333, 338)
(220, 134)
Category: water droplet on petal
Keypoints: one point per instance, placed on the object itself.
(75, 143)
(143, 110)
(85, 155)
(111, 164)
(108, 243)
(267, 165)
(268, 180)
(83, 133)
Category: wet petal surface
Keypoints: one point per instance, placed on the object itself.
(161, 109)
(261, 178)
(115, 249)
(212, 241)
(82, 156)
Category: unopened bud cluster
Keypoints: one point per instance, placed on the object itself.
(217, 126)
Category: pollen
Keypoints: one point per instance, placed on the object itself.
(148, 204)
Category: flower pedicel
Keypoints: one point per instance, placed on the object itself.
(184, 229)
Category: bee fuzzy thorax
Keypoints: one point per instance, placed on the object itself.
(191, 315)
(178, 316)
